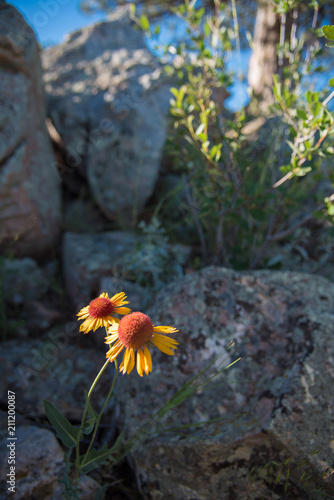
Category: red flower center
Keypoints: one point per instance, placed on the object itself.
(100, 307)
(135, 329)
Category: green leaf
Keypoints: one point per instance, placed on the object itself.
(303, 171)
(66, 432)
(174, 91)
(330, 45)
(330, 209)
(144, 22)
(200, 129)
(180, 96)
(215, 152)
(95, 458)
(205, 146)
(202, 137)
(302, 114)
(88, 426)
(91, 412)
(328, 31)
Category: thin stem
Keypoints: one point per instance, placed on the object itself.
(237, 42)
(281, 40)
(308, 52)
(281, 181)
(293, 37)
(84, 416)
(326, 101)
(100, 414)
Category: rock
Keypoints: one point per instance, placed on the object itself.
(109, 103)
(25, 291)
(54, 368)
(39, 463)
(139, 297)
(124, 256)
(271, 413)
(87, 258)
(82, 216)
(22, 281)
(29, 182)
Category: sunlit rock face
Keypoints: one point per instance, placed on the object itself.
(269, 417)
(109, 102)
(29, 181)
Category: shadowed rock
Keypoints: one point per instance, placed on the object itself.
(29, 182)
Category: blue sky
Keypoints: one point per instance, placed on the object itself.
(53, 19)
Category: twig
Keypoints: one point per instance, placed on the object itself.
(281, 40)
(308, 52)
(326, 101)
(281, 181)
(293, 38)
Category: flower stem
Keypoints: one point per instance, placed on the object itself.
(84, 416)
(100, 414)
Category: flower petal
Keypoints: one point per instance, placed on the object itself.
(161, 342)
(124, 364)
(166, 340)
(131, 362)
(113, 328)
(122, 310)
(140, 362)
(128, 361)
(119, 299)
(148, 360)
(165, 329)
(114, 351)
(83, 313)
(111, 338)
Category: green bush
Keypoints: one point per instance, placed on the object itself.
(244, 193)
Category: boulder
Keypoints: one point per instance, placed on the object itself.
(22, 281)
(123, 256)
(138, 296)
(263, 427)
(87, 258)
(109, 103)
(55, 368)
(29, 182)
(39, 464)
(26, 305)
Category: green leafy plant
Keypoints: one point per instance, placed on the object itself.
(244, 195)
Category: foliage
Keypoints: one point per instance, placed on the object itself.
(245, 195)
